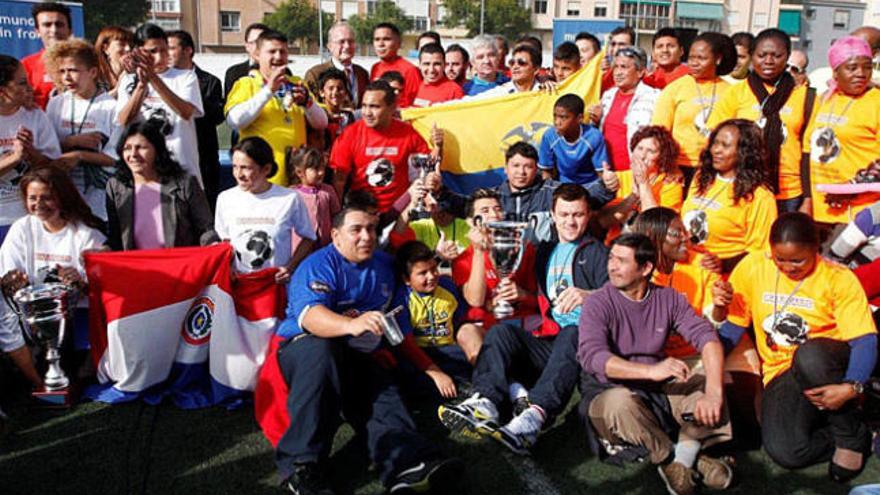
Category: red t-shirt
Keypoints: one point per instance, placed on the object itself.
(438, 92)
(38, 78)
(412, 78)
(377, 161)
(607, 80)
(524, 277)
(615, 131)
(660, 78)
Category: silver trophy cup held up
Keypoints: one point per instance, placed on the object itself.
(506, 252)
(423, 164)
(44, 311)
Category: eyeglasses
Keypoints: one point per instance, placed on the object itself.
(676, 234)
(520, 61)
(794, 69)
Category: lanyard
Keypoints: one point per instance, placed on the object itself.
(703, 111)
(833, 120)
(787, 300)
(707, 201)
(74, 130)
(429, 309)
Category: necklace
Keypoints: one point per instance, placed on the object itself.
(697, 221)
(73, 128)
(703, 116)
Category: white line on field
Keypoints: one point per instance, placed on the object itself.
(534, 478)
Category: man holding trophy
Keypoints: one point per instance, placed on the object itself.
(566, 271)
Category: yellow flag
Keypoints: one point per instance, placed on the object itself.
(477, 133)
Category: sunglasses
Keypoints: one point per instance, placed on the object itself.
(794, 69)
(520, 61)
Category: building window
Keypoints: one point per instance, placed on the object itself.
(172, 6)
(573, 9)
(841, 19)
(540, 6)
(167, 24)
(600, 11)
(371, 6)
(420, 23)
(644, 16)
(230, 22)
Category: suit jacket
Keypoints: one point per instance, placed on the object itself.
(360, 74)
(186, 218)
(234, 73)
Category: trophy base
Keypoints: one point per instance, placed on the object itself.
(53, 399)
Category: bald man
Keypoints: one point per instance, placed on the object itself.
(342, 44)
(797, 67)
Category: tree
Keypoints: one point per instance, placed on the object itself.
(385, 11)
(505, 17)
(101, 13)
(298, 20)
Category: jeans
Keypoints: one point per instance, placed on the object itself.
(796, 433)
(416, 385)
(789, 205)
(329, 380)
(510, 353)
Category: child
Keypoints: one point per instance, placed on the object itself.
(576, 150)
(435, 87)
(434, 313)
(26, 139)
(566, 61)
(83, 120)
(259, 217)
(307, 166)
(336, 100)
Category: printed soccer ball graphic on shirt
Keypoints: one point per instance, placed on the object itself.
(160, 118)
(789, 329)
(558, 289)
(253, 248)
(824, 146)
(697, 224)
(380, 172)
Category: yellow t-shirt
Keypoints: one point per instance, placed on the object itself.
(428, 232)
(282, 130)
(842, 138)
(726, 229)
(684, 107)
(739, 102)
(830, 303)
(432, 317)
(668, 193)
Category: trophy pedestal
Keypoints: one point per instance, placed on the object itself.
(53, 399)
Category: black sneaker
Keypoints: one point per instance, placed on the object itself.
(520, 405)
(436, 474)
(307, 480)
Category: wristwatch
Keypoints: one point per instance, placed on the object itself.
(859, 387)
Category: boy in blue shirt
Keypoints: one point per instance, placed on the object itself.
(574, 149)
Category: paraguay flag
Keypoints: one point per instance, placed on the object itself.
(174, 323)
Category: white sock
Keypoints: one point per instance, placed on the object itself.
(515, 390)
(686, 452)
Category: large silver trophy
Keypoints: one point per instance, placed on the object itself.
(423, 164)
(506, 252)
(44, 312)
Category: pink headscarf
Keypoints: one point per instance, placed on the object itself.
(846, 48)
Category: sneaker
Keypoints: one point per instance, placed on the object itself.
(475, 416)
(715, 473)
(307, 480)
(427, 475)
(522, 432)
(520, 405)
(679, 479)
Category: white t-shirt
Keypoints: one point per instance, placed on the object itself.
(45, 141)
(71, 115)
(259, 225)
(180, 134)
(29, 247)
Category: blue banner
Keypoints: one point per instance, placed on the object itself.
(18, 35)
(567, 29)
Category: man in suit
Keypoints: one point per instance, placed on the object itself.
(180, 51)
(237, 71)
(342, 46)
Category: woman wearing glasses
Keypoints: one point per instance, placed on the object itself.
(684, 107)
(729, 207)
(627, 107)
(843, 136)
(770, 98)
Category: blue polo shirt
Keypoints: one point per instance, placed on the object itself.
(350, 289)
(579, 162)
(475, 85)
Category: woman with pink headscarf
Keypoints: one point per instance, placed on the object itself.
(843, 136)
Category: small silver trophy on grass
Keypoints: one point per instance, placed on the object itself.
(506, 253)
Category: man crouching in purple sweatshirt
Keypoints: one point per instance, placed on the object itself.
(636, 400)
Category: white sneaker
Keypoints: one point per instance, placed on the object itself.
(522, 432)
(476, 415)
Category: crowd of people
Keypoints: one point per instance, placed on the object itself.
(683, 267)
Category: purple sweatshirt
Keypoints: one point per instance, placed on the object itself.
(613, 325)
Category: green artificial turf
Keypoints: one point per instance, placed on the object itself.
(135, 448)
